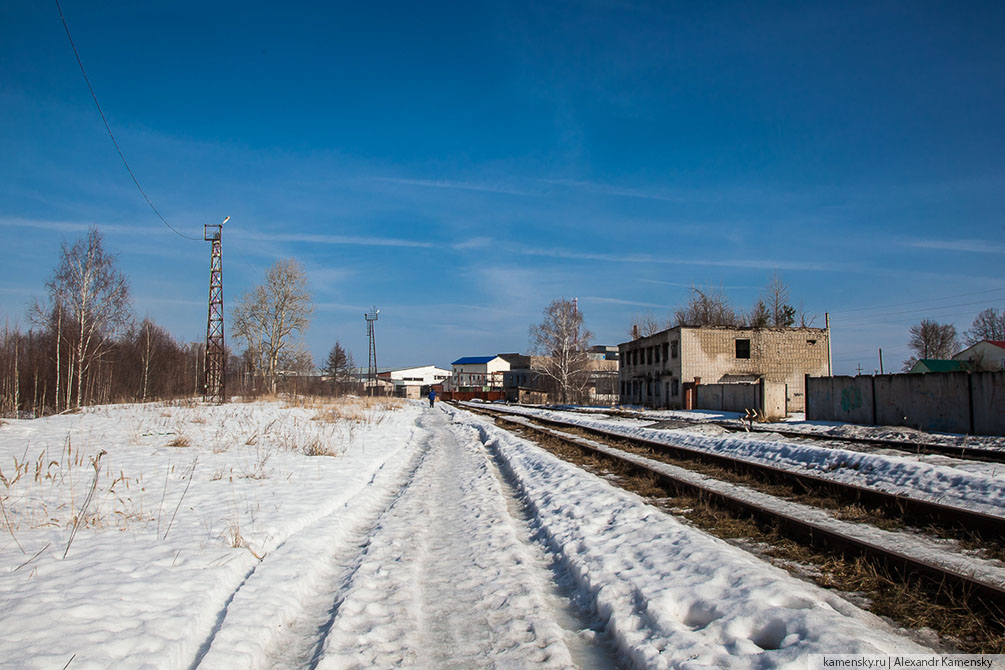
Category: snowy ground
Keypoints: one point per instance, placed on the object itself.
(797, 423)
(966, 484)
(272, 537)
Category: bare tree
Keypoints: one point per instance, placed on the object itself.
(989, 325)
(268, 315)
(89, 292)
(776, 299)
(930, 339)
(296, 359)
(644, 325)
(563, 341)
(149, 341)
(707, 307)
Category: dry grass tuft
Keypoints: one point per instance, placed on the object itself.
(318, 447)
(180, 441)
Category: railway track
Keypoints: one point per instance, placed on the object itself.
(948, 576)
(917, 447)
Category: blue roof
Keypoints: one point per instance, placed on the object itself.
(473, 360)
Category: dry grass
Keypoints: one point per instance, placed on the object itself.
(46, 491)
(180, 441)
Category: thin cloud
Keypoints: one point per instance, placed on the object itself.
(74, 226)
(757, 264)
(504, 189)
(473, 243)
(689, 285)
(970, 246)
(339, 239)
(619, 301)
(610, 189)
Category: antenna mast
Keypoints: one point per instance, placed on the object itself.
(371, 374)
(214, 389)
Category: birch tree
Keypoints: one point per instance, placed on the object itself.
(563, 341)
(270, 315)
(88, 293)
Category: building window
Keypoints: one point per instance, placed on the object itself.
(673, 350)
(657, 389)
(743, 348)
(674, 388)
(657, 350)
(666, 351)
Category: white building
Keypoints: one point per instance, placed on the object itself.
(989, 354)
(478, 373)
(409, 382)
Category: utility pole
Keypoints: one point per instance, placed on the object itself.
(859, 368)
(371, 374)
(214, 390)
(881, 360)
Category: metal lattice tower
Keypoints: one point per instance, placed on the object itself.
(371, 373)
(216, 355)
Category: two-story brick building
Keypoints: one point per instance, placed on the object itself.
(659, 370)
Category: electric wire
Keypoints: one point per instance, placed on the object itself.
(916, 302)
(109, 129)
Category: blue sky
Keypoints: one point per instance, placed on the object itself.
(461, 165)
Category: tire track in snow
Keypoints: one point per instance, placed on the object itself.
(274, 616)
(446, 580)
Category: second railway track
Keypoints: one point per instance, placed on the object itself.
(955, 578)
(918, 447)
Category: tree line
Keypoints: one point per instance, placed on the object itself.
(84, 346)
(933, 340)
(712, 307)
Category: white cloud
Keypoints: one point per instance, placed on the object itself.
(971, 246)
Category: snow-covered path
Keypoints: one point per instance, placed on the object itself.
(434, 571)
(423, 538)
(446, 581)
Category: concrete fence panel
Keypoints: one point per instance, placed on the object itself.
(989, 402)
(951, 402)
(847, 399)
(934, 402)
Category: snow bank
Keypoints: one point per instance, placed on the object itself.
(171, 531)
(937, 483)
(672, 596)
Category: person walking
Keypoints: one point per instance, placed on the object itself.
(432, 396)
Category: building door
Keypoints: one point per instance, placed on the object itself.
(690, 394)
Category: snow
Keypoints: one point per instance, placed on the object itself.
(674, 597)
(421, 537)
(941, 553)
(982, 490)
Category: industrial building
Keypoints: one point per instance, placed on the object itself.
(664, 369)
(478, 373)
(414, 382)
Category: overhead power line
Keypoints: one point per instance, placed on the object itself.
(916, 302)
(109, 129)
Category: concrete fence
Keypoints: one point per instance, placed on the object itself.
(951, 402)
(768, 398)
